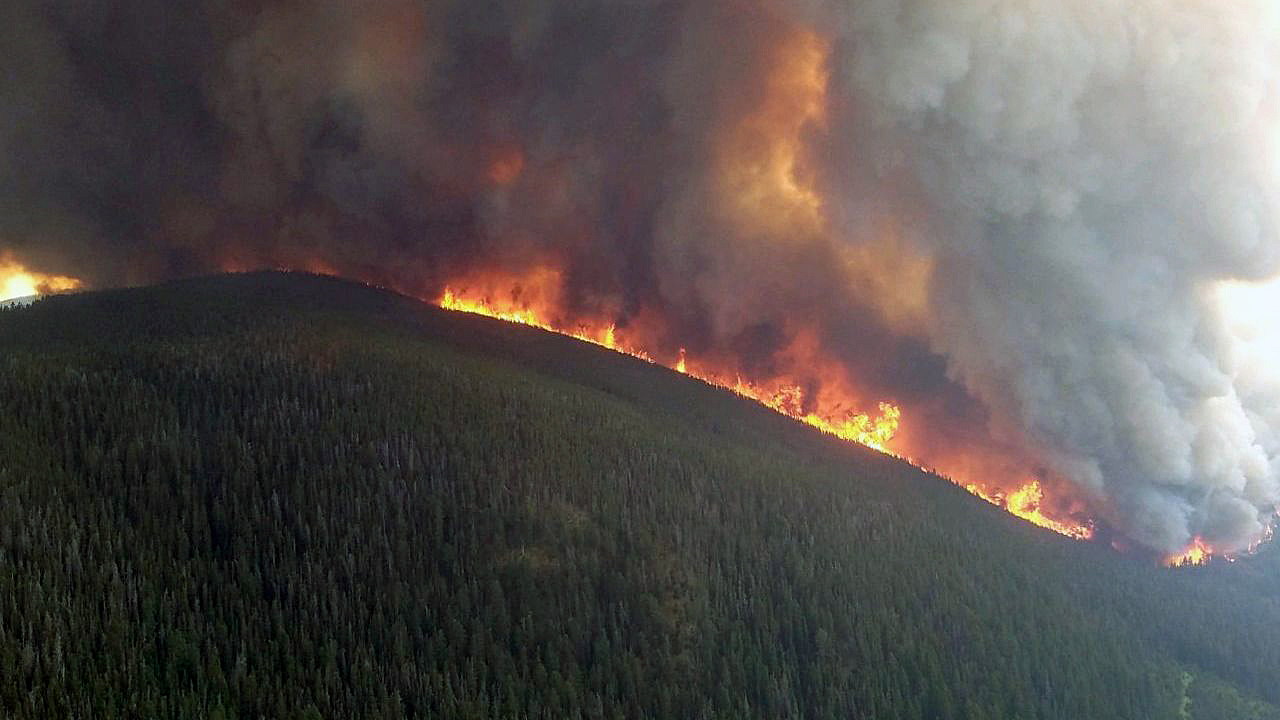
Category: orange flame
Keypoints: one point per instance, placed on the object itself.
(1197, 553)
(1026, 502)
(762, 168)
(517, 306)
(761, 160)
(16, 281)
(531, 299)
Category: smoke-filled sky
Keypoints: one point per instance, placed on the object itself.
(1010, 216)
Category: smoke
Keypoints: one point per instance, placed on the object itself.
(1095, 171)
(1010, 216)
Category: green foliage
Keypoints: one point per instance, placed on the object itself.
(283, 496)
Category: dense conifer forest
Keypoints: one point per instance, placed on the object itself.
(287, 496)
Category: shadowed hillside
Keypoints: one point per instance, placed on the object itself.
(289, 496)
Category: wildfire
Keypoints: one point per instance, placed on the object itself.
(1025, 502)
(1197, 553)
(16, 281)
(449, 301)
(761, 168)
(524, 301)
(761, 162)
(786, 399)
(517, 308)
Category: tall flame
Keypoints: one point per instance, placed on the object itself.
(534, 298)
(1197, 553)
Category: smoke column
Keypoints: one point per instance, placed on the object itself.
(1092, 171)
(1011, 217)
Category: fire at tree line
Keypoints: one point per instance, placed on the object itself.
(788, 399)
(1039, 275)
(532, 298)
(286, 496)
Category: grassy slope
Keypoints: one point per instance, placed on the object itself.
(266, 495)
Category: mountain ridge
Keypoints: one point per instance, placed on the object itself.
(654, 530)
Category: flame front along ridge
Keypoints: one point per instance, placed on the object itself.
(875, 431)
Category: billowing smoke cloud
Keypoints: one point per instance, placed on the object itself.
(1008, 216)
(1093, 170)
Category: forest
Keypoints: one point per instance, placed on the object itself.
(279, 495)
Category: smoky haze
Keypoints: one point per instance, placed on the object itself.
(1009, 217)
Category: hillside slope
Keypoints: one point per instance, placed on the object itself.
(287, 496)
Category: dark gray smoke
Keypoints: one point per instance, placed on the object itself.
(1009, 217)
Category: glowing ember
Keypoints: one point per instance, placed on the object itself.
(522, 302)
(16, 281)
(506, 167)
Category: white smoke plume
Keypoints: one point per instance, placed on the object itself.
(1093, 171)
